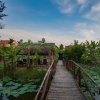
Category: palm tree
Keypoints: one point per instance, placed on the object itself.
(11, 41)
(13, 55)
(36, 57)
(21, 41)
(28, 56)
(4, 52)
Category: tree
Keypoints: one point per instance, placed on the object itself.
(29, 42)
(43, 40)
(11, 41)
(21, 41)
(74, 52)
(13, 56)
(91, 54)
(36, 57)
(61, 47)
(75, 42)
(4, 52)
(2, 8)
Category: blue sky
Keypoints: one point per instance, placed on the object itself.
(59, 21)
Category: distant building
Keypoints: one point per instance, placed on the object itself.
(40, 54)
(42, 41)
(15, 43)
(6, 43)
(68, 46)
(44, 55)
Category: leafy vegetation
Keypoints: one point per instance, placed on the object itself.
(88, 56)
(33, 73)
(93, 72)
(17, 87)
(23, 81)
(2, 8)
(74, 52)
(87, 53)
(17, 81)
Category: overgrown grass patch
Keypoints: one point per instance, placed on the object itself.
(1, 66)
(32, 73)
(24, 81)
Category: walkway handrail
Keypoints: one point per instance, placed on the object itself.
(84, 72)
(41, 94)
(81, 77)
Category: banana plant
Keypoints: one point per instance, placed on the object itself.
(4, 52)
(13, 56)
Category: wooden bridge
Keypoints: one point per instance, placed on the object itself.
(64, 84)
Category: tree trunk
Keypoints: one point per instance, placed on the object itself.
(28, 59)
(4, 63)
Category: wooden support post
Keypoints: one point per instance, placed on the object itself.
(79, 75)
(74, 71)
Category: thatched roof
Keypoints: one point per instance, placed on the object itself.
(40, 51)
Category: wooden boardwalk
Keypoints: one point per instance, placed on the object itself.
(63, 86)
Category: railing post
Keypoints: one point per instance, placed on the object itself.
(42, 92)
(71, 67)
(74, 70)
(79, 75)
(68, 64)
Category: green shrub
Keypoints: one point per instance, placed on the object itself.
(33, 73)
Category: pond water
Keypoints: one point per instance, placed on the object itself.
(26, 96)
(4, 97)
(16, 91)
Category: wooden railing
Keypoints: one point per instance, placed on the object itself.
(42, 92)
(83, 79)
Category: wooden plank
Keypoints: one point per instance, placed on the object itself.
(63, 86)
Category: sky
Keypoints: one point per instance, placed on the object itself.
(58, 21)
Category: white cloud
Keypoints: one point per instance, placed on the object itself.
(54, 36)
(65, 6)
(50, 36)
(94, 14)
(81, 32)
(69, 6)
(82, 3)
(88, 31)
(67, 9)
